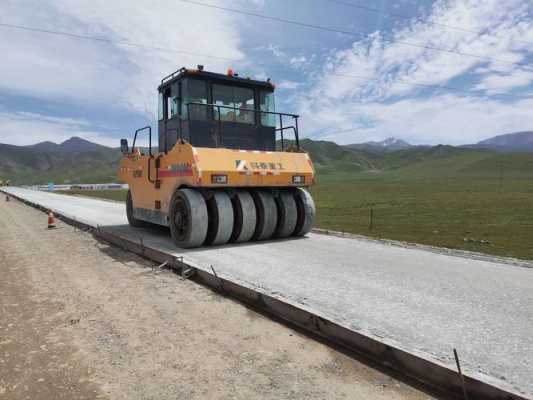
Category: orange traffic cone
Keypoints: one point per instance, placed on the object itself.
(51, 220)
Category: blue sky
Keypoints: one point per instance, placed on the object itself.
(379, 79)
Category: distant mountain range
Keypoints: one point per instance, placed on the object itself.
(510, 142)
(80, 161)
(70, 146)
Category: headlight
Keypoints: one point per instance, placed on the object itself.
(298, 179)
(219, 179)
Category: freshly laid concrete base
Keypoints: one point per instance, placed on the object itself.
(405, 309)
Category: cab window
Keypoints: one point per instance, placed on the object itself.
(237, 104)
(223, 97)
(160, 110)
(173, 100)
(194, 91)
(266, 100)
(243, 99)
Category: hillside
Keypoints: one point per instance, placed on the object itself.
(79, 161)
(518, 141)
(330, 157)
(75, 160)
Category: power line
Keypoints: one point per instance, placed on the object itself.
(353, 33)
(111, 41)
(403, 16)
(128, 43)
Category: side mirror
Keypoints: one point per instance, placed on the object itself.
(124, 146)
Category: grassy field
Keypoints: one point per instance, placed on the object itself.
(116, 194)
(470, 214)
(485, 215)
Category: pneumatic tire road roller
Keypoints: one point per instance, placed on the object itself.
(224, 171)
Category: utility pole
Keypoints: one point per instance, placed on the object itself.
(500, 164)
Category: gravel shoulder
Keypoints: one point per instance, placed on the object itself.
(82, 320)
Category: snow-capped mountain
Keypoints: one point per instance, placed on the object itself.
(389, 144)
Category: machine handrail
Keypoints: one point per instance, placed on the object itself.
(243, 109)
(287, 127)
(281, 115)
(149, 150)
(149, 138)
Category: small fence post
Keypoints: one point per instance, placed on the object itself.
(461, 377)
(371, 222)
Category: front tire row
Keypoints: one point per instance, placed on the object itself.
(217, 218)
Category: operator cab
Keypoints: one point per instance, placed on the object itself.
(216, 110)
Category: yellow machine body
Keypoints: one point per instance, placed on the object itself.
(197, 167)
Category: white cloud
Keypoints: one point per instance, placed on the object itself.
(288, 85)
(502, 83)
(297, 62)
(378, 86)
(276, 51)
(103, 74)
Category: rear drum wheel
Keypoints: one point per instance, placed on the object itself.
(288, 214)
(136, 223)
(306, 212)
(267, 214)
(188, 218)
(220, 212)
(245, 217)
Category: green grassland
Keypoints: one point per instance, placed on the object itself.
(115, 194)
(440, 212)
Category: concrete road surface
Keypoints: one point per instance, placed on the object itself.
(418, 300)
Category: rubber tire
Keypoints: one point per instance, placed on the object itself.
(267, 215)
(288, 214)
(221, 219)
(136, 223)
(306, 212)
(196, 226)
(245, 217)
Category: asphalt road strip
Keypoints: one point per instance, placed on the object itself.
(415, 364)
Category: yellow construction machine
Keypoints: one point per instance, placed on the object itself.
(224, 170)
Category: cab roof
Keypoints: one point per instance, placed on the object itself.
(199, 73)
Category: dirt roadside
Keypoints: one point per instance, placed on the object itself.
(82, 320)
